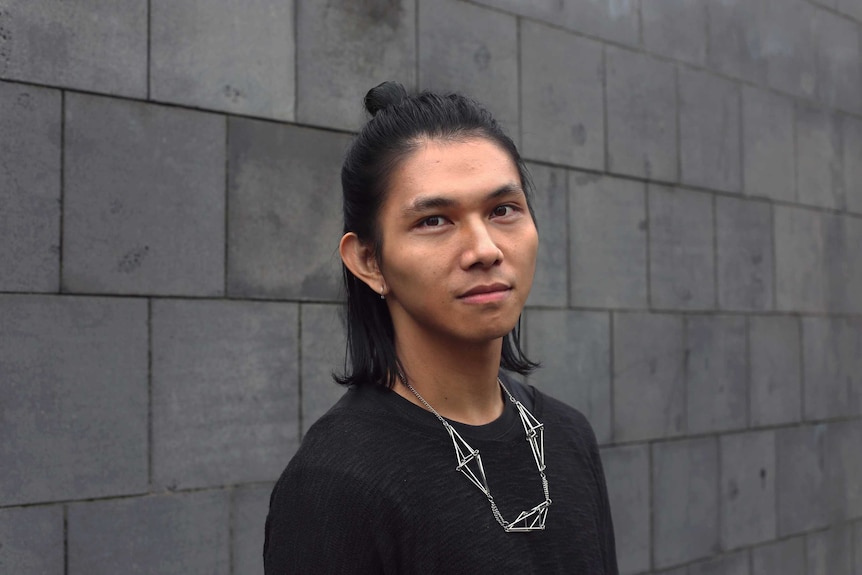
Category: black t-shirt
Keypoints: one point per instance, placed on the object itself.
(373, 489)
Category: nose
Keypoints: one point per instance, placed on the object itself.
(480, 249)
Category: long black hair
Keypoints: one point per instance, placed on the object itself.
(398, 124)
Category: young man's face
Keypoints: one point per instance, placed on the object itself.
(459, 244)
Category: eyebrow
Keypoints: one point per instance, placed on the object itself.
(423, 204)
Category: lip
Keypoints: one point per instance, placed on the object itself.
(486, 293)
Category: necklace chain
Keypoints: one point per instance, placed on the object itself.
(470, 463)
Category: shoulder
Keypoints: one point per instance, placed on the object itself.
(550, 410)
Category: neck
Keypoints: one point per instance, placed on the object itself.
(458, 380)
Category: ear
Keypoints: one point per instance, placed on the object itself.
(360, 260)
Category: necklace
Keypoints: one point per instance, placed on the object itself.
(470, 463)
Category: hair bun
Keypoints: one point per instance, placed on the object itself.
(384, 95)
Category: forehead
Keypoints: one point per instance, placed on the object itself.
(452, 168)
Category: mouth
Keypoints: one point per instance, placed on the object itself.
(486, 293)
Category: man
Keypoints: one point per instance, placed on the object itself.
(435, 461)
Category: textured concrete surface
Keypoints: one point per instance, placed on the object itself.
(574, 350)
(768, 144)
(561, 97)
(550, 204)
(96, 45)
(343, 49)
(607, 242)
(224, 55)
(709, 131)
(642, 115)
(248, 505)
(283, 188)
(470, 49)
(648, 371)
(685, 500)
(323, 350)
(31, 539)
(143, 199)
(715, 373)
(785, 556)
(747, 488)
(775, 378)
(170, 534)
(681, 248)
(213, 424)
(744, 254)
(627, 473)
(74, 420)
(30, 129)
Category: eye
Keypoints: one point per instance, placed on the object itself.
(503, 211)
(432, 222)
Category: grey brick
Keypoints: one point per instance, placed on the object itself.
(681, 249)
(852, 133)
(225, 55)
(31, 540)
(550, 283)
(561, 97)
(709, 131)
(613, 20)
(99, 45)
(844, 262)
(801, 479)
(677, 571)
(839, 73)
(224, 391)
(323, 349)
(732, 564)
(832, 350)
(344, 49)
(249, 508)
(627, 475)
(143, 199)
(283, 188)
(788, 33)
(800, 268)
(775, 384)
(819, 158)
(641, 116)
(182, 533)
(767, 134)
(851, 8)
(649, 387)
(747, 488)
(685, 500)
(29, 188)
(786, 557)
(845, 468)
(75, 418)
(675, 29)
(607, 242)
(745, 262)
(472, 50)
(830, 552)
(716, 377)
(574, 349)
(857, 544)
(738, 47)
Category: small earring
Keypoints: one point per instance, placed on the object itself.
(382, 289)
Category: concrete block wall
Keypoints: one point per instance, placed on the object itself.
(169, 284)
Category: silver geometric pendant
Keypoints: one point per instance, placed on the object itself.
(470, 464)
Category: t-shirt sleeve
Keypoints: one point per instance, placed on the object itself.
(319, 522)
